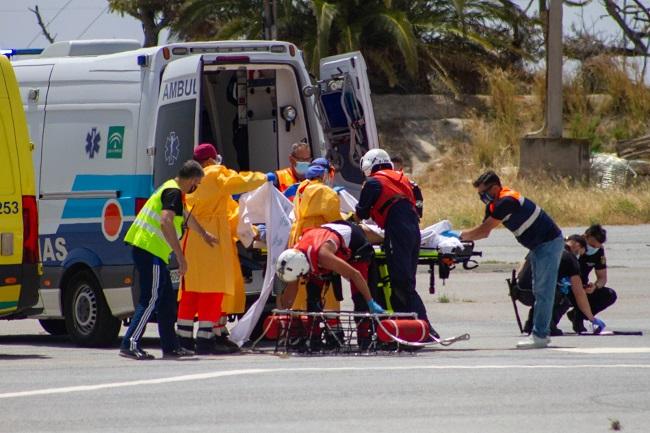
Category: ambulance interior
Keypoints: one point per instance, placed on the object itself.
(252, 113)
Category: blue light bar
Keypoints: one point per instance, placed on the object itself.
(21, 52)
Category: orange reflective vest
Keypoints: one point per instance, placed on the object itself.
(395, 186)
(285, 178)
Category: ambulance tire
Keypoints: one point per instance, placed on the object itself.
(54, 326)
(87, 317)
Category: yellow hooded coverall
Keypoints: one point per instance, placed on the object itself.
(235, 304)
(314, 204)
(211, 268)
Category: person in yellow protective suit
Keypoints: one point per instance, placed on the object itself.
(235, 303)
(299, 160)
(211, 278)
(315, 204)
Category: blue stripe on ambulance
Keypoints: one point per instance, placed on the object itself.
(82, 241)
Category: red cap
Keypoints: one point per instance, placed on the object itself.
(205, 151)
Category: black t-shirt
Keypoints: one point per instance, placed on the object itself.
(172, 199)
(595, 261)
(569, 267)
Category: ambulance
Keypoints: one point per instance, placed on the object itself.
(19, 261)
(111, 121)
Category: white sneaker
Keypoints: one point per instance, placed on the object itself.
(533, 342)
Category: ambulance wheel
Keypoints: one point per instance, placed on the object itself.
(87, 317)
(54, 326)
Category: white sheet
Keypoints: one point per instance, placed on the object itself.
(269, 206)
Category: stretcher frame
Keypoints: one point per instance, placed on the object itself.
(343, 338)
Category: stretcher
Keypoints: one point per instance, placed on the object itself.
(429, 257)
(346, 332)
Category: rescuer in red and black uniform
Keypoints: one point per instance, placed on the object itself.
(387, 196)
(338, 247)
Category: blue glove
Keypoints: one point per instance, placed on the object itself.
(236, 197)
(374, 307)
(271, 177)
(338, 189)
(598, 325)
(451, 234)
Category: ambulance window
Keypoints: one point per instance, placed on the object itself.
(174, 139)
(7, 177)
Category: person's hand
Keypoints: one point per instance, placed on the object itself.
(598, 325)
(261, 232)
(182, 265)
(451, 234)
(589, 288)
(210, 239)
(375, 308)
(271, 177)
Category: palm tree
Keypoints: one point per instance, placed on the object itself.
(408, 44)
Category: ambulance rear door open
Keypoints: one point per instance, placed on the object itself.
(177, 117)
(251, 109)
(347, 115)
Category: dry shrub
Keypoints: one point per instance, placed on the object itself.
(629, 99)
(568, 204)
(495, 135)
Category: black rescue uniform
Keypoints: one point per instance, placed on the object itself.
(387, 196)
(601, 298)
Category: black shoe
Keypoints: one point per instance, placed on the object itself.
(220, 346)
(186, 343)
(434, 333)
(179, 352)
(225, 341)
(528, 327)
(137, 354)
(555, 331)
(577, 324)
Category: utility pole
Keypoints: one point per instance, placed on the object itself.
(549, 153)
(270, 18)
(554, 53)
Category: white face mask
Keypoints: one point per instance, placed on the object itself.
(591, 250)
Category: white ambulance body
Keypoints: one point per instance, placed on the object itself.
(108, 129)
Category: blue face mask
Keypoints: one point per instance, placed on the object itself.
(591, 250)
(301, 167)
(485, 197)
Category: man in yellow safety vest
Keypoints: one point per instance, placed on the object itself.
(154, 235)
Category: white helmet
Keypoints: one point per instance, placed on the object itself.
(372, 158)
(291, 264)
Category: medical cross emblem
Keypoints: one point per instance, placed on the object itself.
(172, 148)
(92, 142)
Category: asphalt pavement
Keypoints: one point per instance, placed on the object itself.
(580, 384)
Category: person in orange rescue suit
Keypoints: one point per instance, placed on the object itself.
(299, 160)
(314, 204)
(387, 196)
(205, 285)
